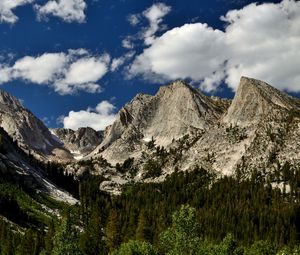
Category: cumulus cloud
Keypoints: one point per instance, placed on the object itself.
(155, 15)
(7, 7)
(67, 10)
(67, 72)
(41, 69)
(98, 118)
(5, 74)
(260, 41)
(117, 62)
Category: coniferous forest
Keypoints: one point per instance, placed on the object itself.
(190, 213)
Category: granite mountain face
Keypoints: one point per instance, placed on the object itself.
(179, 128)
(30, 132)
(79, 142)
(176, 110)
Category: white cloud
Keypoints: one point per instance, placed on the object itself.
(127, 42)
(134, 19)
(68, 10)
(5, 73)
(98, 118)
(260, 41)
(41, 69)
(7, 7)
(183, 52)
(67, 72)
(117, 62)
(155, 15)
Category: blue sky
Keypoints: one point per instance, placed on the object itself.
(79, 61)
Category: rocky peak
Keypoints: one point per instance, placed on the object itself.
(176, 110)
(255, 99)
(176, 85)
(79, 142)
(30, 132)
(7, 100)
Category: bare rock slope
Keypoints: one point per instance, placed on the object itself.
(16, 167)
(174, 111)
(179, 128)
(30, 133)
(258, 131)
(79, 142)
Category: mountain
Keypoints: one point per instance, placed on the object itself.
(254, 100)
(30, 132)
(176, 110)
(258, 132)
(179, 128)
(17, 168)
(79, 142)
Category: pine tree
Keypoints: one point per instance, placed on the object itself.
(142, 230)
(112, 231)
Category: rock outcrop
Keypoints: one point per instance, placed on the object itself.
(179, 128)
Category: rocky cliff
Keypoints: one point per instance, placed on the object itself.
(181, 129)
(30, 133)
(79, 142)
(176, 110)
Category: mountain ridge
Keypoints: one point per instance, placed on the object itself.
(181, 128)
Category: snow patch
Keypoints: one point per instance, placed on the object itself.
(55, 137)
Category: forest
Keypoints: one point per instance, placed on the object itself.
(192, 212)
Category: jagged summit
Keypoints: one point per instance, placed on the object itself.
(255, 99)
(79, 142)
(177, 109)
(191, 126)
(7, 100)
(176, 85)
(30, 132)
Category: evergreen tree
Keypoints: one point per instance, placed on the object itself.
(142, 230)
(112, 231)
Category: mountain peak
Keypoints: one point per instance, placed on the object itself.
(254, 99)
(7, 100)
(176, 110)
(174, 86)
(30, 132)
